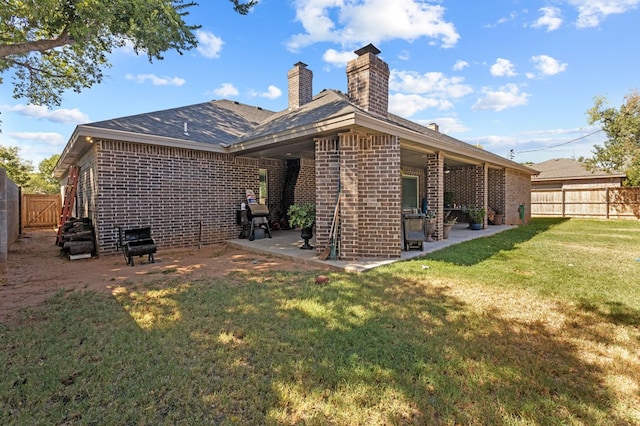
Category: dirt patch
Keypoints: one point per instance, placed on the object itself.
(36, 269)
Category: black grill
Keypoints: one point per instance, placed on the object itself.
(136, 242)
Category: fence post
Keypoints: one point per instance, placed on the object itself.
(563, 202)
(607, 195)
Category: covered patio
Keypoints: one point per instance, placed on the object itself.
(287, 244)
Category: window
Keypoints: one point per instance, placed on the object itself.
(263, 190)
(410, 192)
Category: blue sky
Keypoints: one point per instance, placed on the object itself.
(506, 74)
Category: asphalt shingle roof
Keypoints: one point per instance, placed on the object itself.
(220, 122)
(566, 168)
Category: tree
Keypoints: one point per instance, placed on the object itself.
(43, 182)
(17, 169)
(58, 45)
(621, 151)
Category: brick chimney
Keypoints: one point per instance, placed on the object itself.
(368, 81)
(300, 85)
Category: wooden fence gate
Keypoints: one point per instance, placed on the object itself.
(40, 210)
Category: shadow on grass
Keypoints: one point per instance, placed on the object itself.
(276, 348)
(614, 312)
(475, 251)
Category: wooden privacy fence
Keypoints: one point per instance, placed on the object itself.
(605, 203)
(39, 211)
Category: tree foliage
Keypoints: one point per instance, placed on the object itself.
(21, 172)
(58, 45)
(621, 151)
(42, 181)
(18, 170)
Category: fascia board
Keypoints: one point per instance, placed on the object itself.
(329, 125)
(472, 156)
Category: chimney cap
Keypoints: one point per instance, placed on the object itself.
(369, 48)
(300, 64)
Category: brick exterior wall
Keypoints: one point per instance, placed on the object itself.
(517, 191)
(173, 190)
(497, 189)
(305, 191)
(86, 194)
(461, 181)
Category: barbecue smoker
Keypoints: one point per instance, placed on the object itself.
(136, 242)
(254, 217)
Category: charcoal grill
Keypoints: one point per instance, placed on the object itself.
(257, 215)
(136, 242)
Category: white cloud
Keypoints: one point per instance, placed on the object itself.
(551, 18)
(370, 21)
(338, 59)
(548, 65)
(422, 91)
(408, 105)
(508, 96)
(448, 125)
(502, 68)
(544, 144)
(209, 45)
(434, 83)
(35, 146)
(155, 80)
(226, 90)
(460, 65)
(272, 92)
(48, 138)
(65, 116)
(592, 12)
(512, 16)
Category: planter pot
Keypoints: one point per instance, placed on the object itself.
(446, 230)
(497, 219)
(475, 226)
(431, 229)
(306, 234)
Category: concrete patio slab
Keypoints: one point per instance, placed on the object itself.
(288, 243)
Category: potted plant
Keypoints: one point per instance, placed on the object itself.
(498, 217)
(476, 217)
(449, 221)
(430, 222)
(303, 216)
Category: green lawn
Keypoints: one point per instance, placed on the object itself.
(536, 325)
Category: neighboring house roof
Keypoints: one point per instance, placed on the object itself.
(568, 169)
(229, 126)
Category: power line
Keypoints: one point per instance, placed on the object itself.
(560, 144)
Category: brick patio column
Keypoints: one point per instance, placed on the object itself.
(350, 204)
(435, 189)
(379, 189)
(327, 179)
(481, 185)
